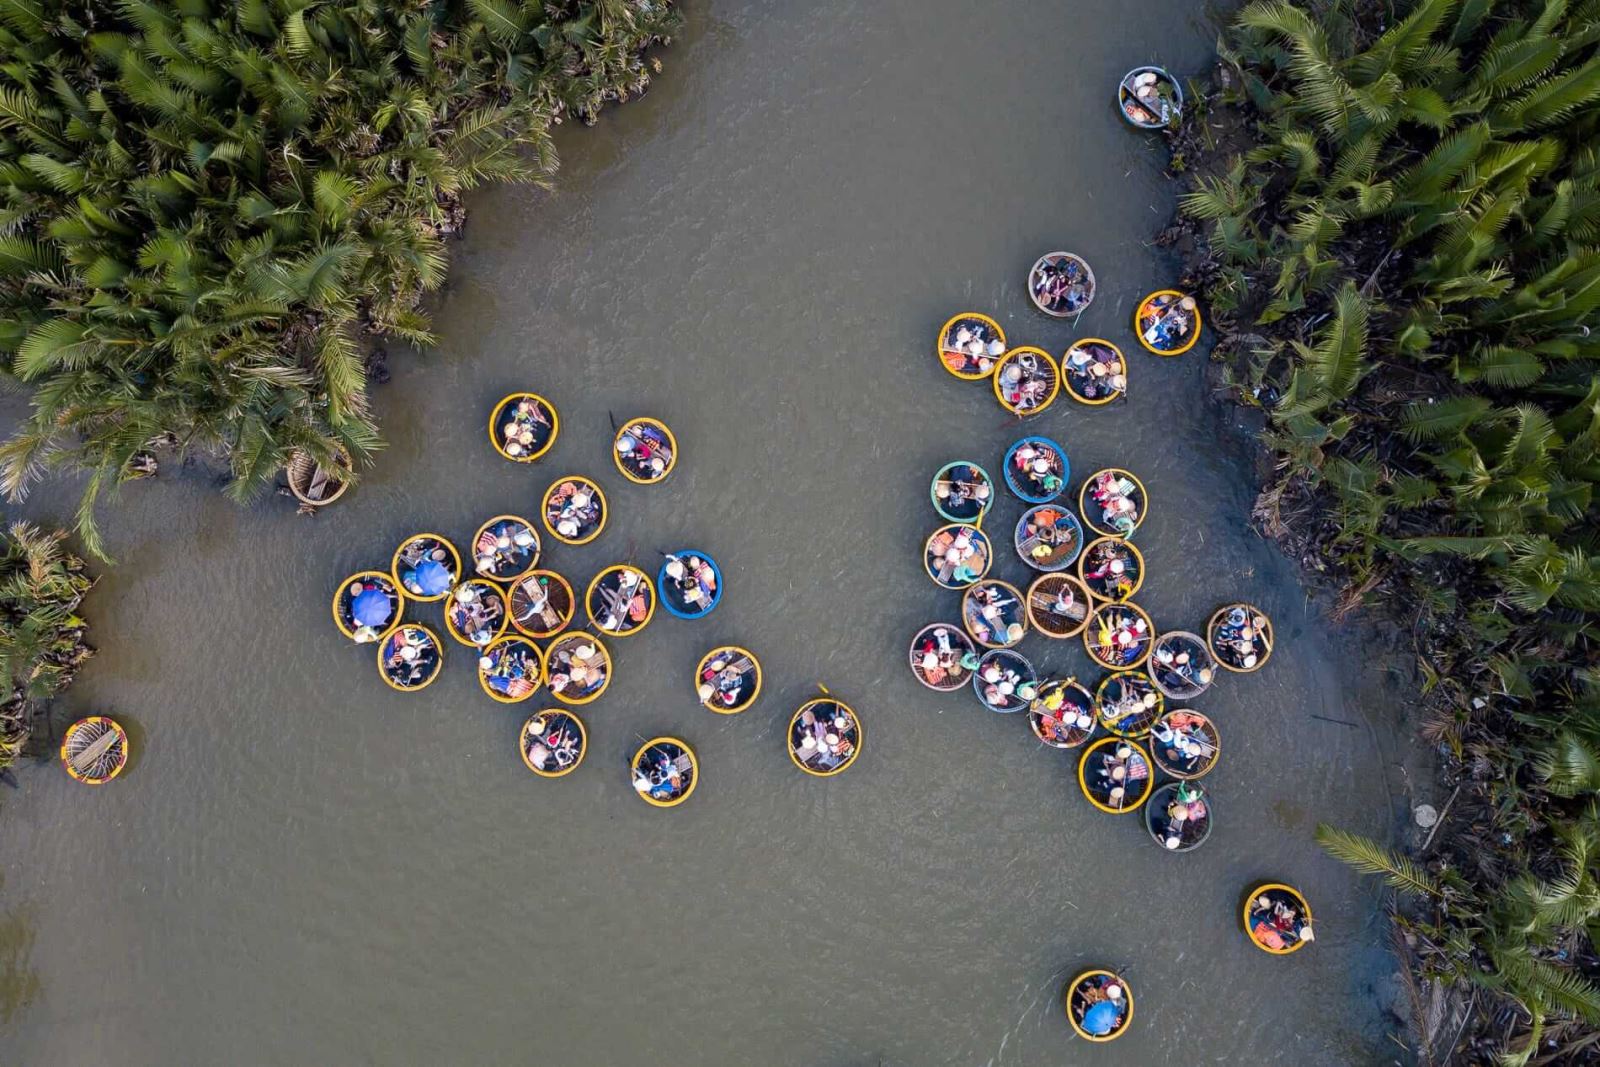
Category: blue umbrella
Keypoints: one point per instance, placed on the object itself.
(431, 577)
(1101, 1019)
(371, 608)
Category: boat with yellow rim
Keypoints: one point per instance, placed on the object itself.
(1099, 1005)
(1061, 284)
(943, 657)
(1179, 816)
(1058, 605)
(553, 742)
(962, 491)
(511, 670)
(1167, 322)
(1115, 775)
(1006, 681)
(620, 600)
(970, 345)
(1181, 665)
(577, 668)
(728, 679)
(574, 510)
(1128, 704)
(475, 612)
(1277, 918)
(94, 750)
(1150, 98)
(644, 450)
(1062, 714)
(542, 604)
(1185, 744)
(505, 548)
(1240, 637)
(994, 613)
(366, 605)
(1111, 568)
(664, 772)
(1119, 636)
(523, 426)
(316, 484)
(410, 657)
(1094, 372)
(957, 555)
(427, 566)
(825, 736)
(1113, 502)
(1026, 381)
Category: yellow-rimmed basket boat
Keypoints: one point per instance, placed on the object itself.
(644, 450)
(1181, 665)
(574, 510)
(1111, 569)
(1128, 704)
(957, 555)
(1062, 715)
(1240, 637)
(410, 657)
(94, 750)
(1094, 372)
(1277, 919)
(475, 613)
(728, 679)
(939, 656)
(1185, 744)
(1119, 636)
(523, 426)
(1026, 381)
(1167, 322)
(1061, 284)
(825, 736)
(511, 669)
(994, 613)
(505, 548)
(1058, 605)
(313, 484)
(970, 345)
(665, 772)
(348, 618)
(620, 600)
(427, 566)
(1113, 502)
(542, 604)
(577, 668)
(1115, 775)
(553, 742)
(1085, 997)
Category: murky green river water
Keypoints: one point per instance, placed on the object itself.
(305, 867)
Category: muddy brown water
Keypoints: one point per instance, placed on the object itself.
(304, 866)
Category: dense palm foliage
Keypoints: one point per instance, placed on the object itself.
(41, 636)
(1406, 254)
(203, 203)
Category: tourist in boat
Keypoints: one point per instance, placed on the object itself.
(1118, 498)
(1111, 569)
(1183, 743)
(1130, 707)
(1150, 99)
(1005, 685)
(426, 568)
(1050, 537)
(1062, 715)
(1181, 666)
(1277, 921)
(1119, 638)
(371, 605)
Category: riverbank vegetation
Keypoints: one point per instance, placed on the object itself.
(205, 206)
(1394, 216)
(42, 639)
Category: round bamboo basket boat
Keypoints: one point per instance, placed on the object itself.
(1012, 684)
(1128, 704)
(1181, 664)
(1072, 303)
(1185, 744)
(1162, 108)
(509, 561)
(553, 742)
(957, 356)
(639, 464)
(1063, 714)
(1102, 637)
(728, 679)
(838, 720)
(511, 670)
(1059, 605)
(620, 600)
(1155, 314)
(428, 545)
(586, 521)
(94, 750)
(1010, 623)
(936, 654)
(1036, 385)
(947, 572)
(1077, 1004)
(457, 613)
(1162, 817)
(1242, 649)
(390, 661)
(1048, 537)
(964, 483)
(542, 604)
(1100, 756)
(542, 421)
(1289, 896)
(1094, 372)
(563, 654)
(1111, 569)
(673, 597)
(314, 486)
(1037, 469)
(344, 603)
(1093, 511)
(683, 765)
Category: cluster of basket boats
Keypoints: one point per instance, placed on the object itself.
(521, 620)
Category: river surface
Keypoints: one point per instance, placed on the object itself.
(303, 866)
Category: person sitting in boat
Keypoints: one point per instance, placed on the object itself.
(940, 659)
(1025, 382)
(1039, 469)
(973, 346)
(553, 745)
(522, 432)
(1167, 321)
(1095, 371)
(1066, 605)
(1277, 922)
(476, 614)
(1061, 285)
